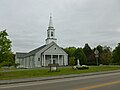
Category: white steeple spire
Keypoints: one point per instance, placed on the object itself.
(50, 22)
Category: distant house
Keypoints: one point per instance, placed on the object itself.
(50, 53)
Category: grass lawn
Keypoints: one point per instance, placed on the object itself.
(45, 72)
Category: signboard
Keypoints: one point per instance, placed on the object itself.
(96, 53)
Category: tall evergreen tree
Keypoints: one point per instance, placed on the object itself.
(116, 55)
(87, 50)
(89, 54)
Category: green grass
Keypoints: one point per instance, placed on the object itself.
(45, 72)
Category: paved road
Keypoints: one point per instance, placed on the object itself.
(95, 82)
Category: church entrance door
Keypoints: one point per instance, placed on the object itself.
(53, 61)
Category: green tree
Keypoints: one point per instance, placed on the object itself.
(116, 55)
(6, 56)
(70, 51)
(89, 55)
(79, 54)
(87, 50)
(105, 55)
(72, 61)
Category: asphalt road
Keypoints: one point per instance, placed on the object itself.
(95, 82)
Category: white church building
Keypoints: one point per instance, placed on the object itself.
(50, 53)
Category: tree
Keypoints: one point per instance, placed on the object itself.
(89, 55)
(72, 61)
(116, 55)
(105, 55)
(79, 54)
(6, 56)
(87, 50)
(70, 51)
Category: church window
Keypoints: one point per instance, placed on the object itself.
(38, 59)
(51, 33)
(55, 48)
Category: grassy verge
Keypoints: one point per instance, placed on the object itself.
(45, 72)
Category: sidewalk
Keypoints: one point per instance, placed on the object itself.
(2, 82)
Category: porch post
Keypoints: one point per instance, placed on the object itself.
(29, 61)
(51, 59)
(63, 61)
(44, 60)
(58, 59)
(23, 62)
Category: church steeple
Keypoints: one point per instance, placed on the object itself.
(50, 32)
(50, 22)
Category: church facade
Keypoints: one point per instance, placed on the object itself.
(50, 53)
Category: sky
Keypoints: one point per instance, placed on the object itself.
(76, 22)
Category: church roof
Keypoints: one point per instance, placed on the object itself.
(20, 55)
(34, 51)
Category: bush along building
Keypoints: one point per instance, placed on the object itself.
(50, 53)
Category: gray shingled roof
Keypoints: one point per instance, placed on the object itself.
(34, 51)
(20, 55)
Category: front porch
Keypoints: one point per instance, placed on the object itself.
(53, 59)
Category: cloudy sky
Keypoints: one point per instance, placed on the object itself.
(76, 22)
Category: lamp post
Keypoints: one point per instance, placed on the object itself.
(96, 56)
